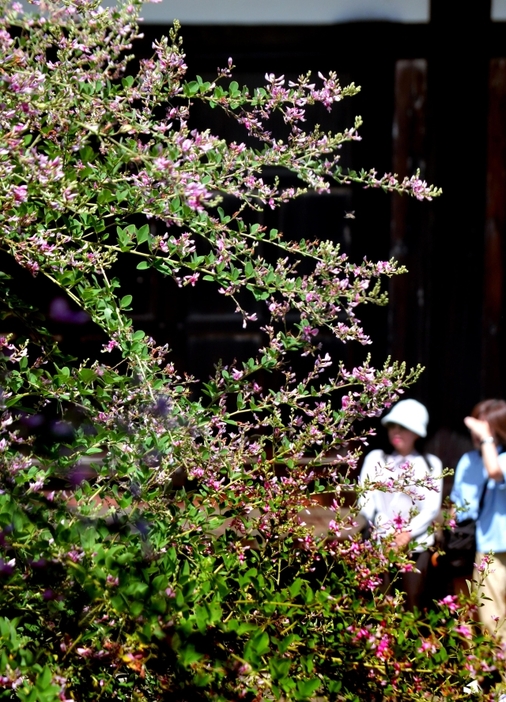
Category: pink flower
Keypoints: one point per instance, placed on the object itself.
(427, 646)
(196, 473)
(464, 630)
(110, 346)
(84, 652)
(382, 648)
(191, 279)
(485, 562)
(335, 527)
(20, 193)
(408, 568)
(75, 556)
(450, 601)
(308, 332)
(399, 522)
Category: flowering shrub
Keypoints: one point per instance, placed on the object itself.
(177, 565)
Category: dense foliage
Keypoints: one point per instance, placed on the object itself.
(177, 566)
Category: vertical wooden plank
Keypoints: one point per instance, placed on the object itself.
(457, 129)
(408, 313)
(492, 373)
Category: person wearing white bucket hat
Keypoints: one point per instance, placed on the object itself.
(409, 414)
(404, 514)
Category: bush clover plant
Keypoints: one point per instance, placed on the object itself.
(178, 567)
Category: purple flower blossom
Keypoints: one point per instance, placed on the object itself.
(308, 333)
(20, 193)
(84, 652)
(382, 647)
(191, 279)
(449, 601)
(400, 522)
(464, 630)
(196, 473)
(7, 567)
(75, 555)
(112, 344)
(427, 646)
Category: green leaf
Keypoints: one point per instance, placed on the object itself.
(189, 655)
(104, 197)
(45, 679)
(175, 205)
(122, 195)
(142, 234)
(260, 643)
(201, 618)
(118, 603)
(136, 588)
(86, 375)
(295, 587)
(124, 238)
(279, 667)
(307, 688)
(191, 89)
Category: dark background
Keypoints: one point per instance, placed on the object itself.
(433, 97)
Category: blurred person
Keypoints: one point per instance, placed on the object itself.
(406, 515)
(480, 475)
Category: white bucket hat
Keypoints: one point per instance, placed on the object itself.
(409, 414)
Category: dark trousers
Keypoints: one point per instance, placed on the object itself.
(413, 584)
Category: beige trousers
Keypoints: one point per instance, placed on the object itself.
(492, 612)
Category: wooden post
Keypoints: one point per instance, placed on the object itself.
(457, 97)
(493, 362)
(408, 293)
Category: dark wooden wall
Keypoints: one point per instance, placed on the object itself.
(434, 98)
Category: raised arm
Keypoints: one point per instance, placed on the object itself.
(480, 430)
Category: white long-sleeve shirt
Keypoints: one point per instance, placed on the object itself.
(408, 507)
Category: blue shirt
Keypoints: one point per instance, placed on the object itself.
(470, 477)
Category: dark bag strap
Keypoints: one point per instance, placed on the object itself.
(482, 499)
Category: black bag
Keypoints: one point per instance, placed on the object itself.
(460, 546)
(460, 542)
